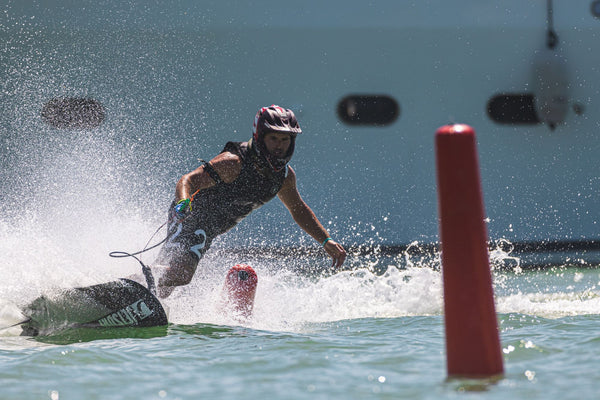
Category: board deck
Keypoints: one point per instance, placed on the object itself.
(120, 303)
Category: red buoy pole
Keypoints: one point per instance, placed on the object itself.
(472, 339)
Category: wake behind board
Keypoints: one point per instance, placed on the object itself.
(120, 303)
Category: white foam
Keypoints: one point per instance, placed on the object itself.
(286, 301)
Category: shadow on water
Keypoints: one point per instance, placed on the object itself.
(80, 335)
(467, 384)
(209, 331)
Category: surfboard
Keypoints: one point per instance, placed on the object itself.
(120, 303)
(125, 303)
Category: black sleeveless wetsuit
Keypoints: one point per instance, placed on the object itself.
(219, 208)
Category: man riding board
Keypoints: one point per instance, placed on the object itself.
(214, 197)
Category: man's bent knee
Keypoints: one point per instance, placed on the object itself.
(173, 277)
(177, 275)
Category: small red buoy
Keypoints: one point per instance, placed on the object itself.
(472, 339)
(239, 290)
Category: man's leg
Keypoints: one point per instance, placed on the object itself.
(179, 257)
(179, 272)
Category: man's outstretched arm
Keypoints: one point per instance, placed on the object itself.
(307, 220)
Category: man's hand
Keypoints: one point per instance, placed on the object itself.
(336, 251)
